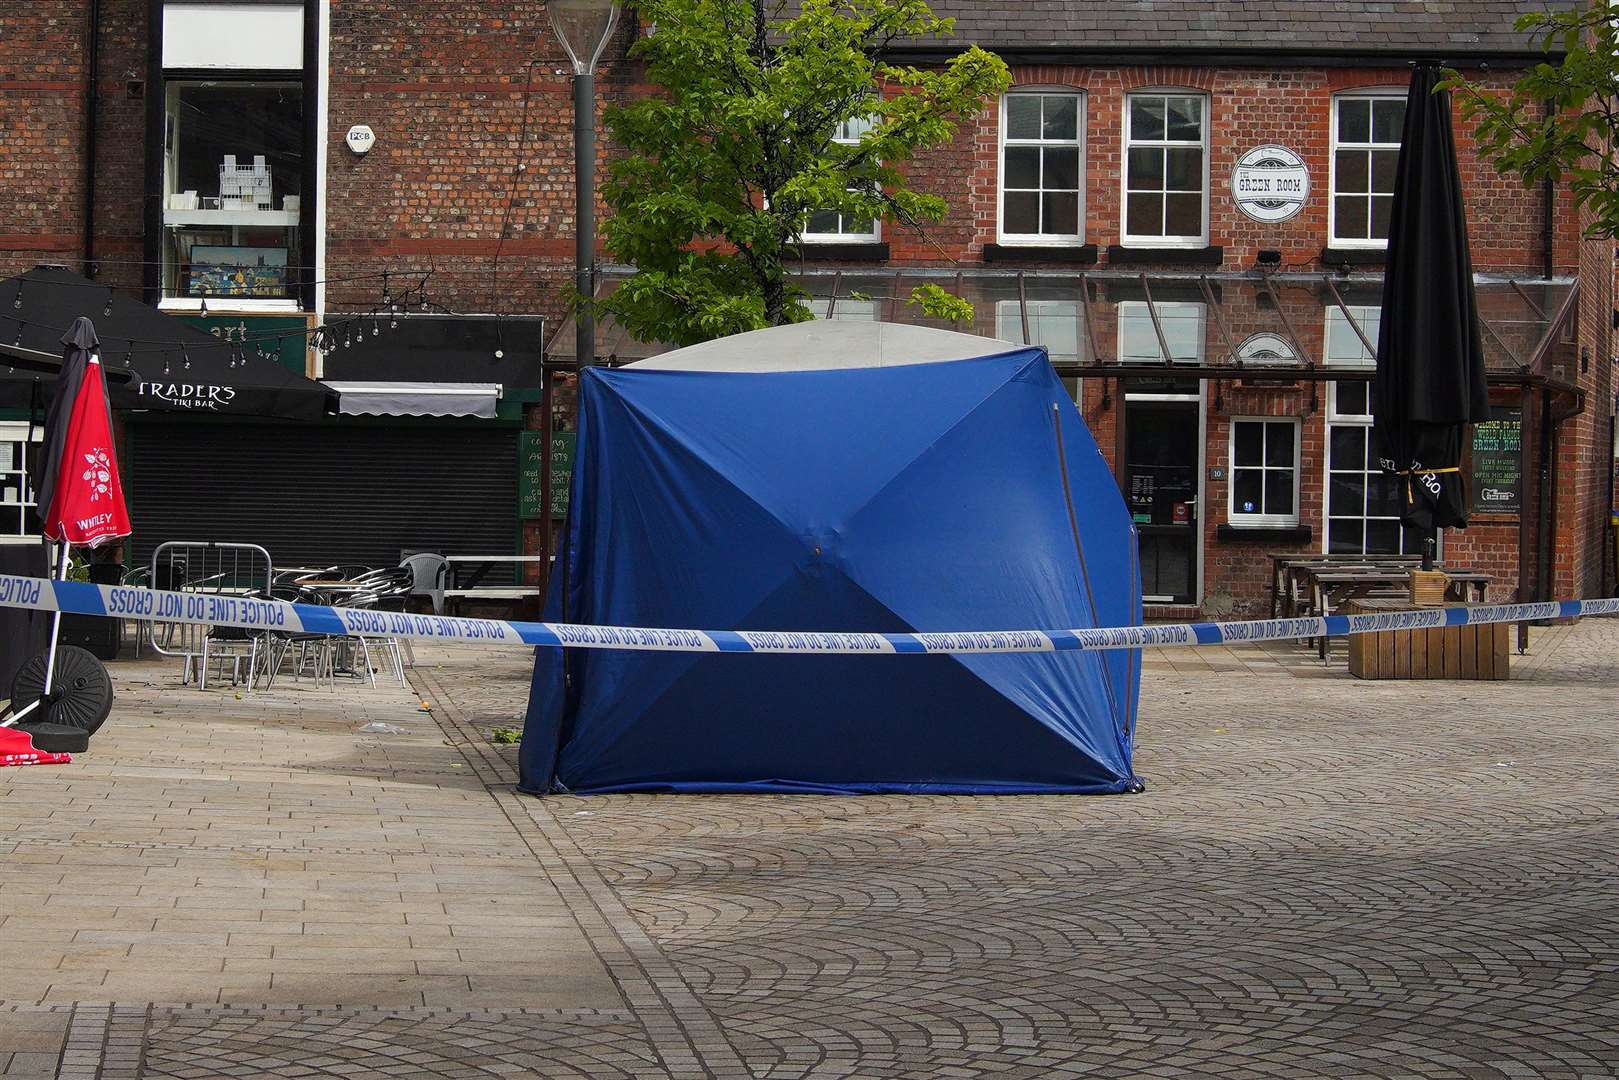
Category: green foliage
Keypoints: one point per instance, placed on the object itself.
(724, 166)
(504, 736)
(939, 303)
(1574, 141)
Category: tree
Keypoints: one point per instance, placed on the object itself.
(725, 165)
(1557, 122)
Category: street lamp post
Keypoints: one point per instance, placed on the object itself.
(583, 27)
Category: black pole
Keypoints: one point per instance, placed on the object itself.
(584, 259)
(92, 48)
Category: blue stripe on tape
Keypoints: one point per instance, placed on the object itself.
(319, 620)
(1063, 640)
(1336, 624)
(906, 643)
(729, 641)
(80, 597)
(1455, 616)
(1569, 608)
(1208, 633)
(536, 633)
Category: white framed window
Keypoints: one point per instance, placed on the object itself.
(16, 488)
(847, 309)
(832, 226)
(1182, 323)
(1365, 153)
(1346, 400)
(1264, 488)
(1042, 168)
(1166, 170)
(1052, 323)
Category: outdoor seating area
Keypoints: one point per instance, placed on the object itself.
(424, 582)
(1313, 584)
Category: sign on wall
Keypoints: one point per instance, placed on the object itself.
(1497, 486)
(1270, 183)
(530, 463)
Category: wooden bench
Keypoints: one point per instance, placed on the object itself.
(1445, 652)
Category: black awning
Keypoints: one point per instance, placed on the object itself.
(172, 367)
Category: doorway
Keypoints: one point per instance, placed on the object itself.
(1161, 488)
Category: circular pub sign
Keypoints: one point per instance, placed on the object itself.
(1270, 183)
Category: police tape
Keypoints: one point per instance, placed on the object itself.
(216, 609)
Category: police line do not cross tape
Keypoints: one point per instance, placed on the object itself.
(154, 605)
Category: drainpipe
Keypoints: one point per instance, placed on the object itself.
(1547, 215)
(92, 97)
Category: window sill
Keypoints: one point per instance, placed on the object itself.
(1349, 256)
(1265, 534)
(1118, 255)
(225, 305)
(1074, 254)
(844, 250)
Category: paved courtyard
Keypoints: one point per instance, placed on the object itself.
(1325, 878)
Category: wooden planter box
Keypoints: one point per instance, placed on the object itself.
(1448, 652)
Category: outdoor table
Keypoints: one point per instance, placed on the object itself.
(1331, 589)
(470, 589)
(1290, 574)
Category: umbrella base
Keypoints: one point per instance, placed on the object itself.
(56, 738)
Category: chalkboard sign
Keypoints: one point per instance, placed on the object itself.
(530, 461)
(1497, 486)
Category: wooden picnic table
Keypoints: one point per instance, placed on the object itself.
(1330, 589)
(1288, 570)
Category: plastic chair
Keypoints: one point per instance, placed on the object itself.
(430, 572)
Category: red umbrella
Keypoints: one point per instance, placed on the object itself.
(83, 501)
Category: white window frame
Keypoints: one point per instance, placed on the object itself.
(1242, 519)
(1131, 310)
(1126, 238)
(1363, 313)
(1333, 239)
(843, 137)
(1076, 239)
(16, 431)
(1009, 323)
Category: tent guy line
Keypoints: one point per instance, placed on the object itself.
(118, 601)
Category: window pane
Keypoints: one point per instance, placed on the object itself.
(1384, 163)
(1186, 118)
(1354, 120)
(1383, 494)
(859, 226)
(1247, 443)
(1184, 169)
(1388, 117)
(1382, 536)
(823, 221)
(1350, 173)
(1023, 116)
(1351, 398)
(1146, 169)
(1146, 118)
(1062, 169)
(1345, 537)
(1278, 491)
(1279, 444)
(1349, 217)
(1144, 215)
(1183, 329)
(1347, 448)
(1183, 215)
(1247, 491)
(1061, 213)
(1382, 208)
(1346, 496)
(1412, 541)
(1061, 117)
(1022, 212)
(1022, 167)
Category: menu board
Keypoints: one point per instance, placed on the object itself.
(1497, 486)
(530, 462)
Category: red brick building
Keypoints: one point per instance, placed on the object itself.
(1092, 210)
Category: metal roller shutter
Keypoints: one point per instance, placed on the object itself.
(318, 495)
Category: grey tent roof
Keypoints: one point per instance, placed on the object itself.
(824, 344)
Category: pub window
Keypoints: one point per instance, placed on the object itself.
(1042, 168)
(1182, 323)
(846, 310)
(1166, 173)
(16, 491)
(832, 226)
(1264, 486)
(232, 191)
(1365, 154)
(1052, 323)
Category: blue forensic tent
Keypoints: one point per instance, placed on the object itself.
(904, 497)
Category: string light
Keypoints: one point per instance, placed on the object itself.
(17, 303)
(107, 308)
(202, 312)
(187, 357)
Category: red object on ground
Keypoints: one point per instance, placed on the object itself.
(17, 748)
(87, 507)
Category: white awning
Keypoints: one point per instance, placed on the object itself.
(417, 398)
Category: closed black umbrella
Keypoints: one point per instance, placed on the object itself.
(1429, 383)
